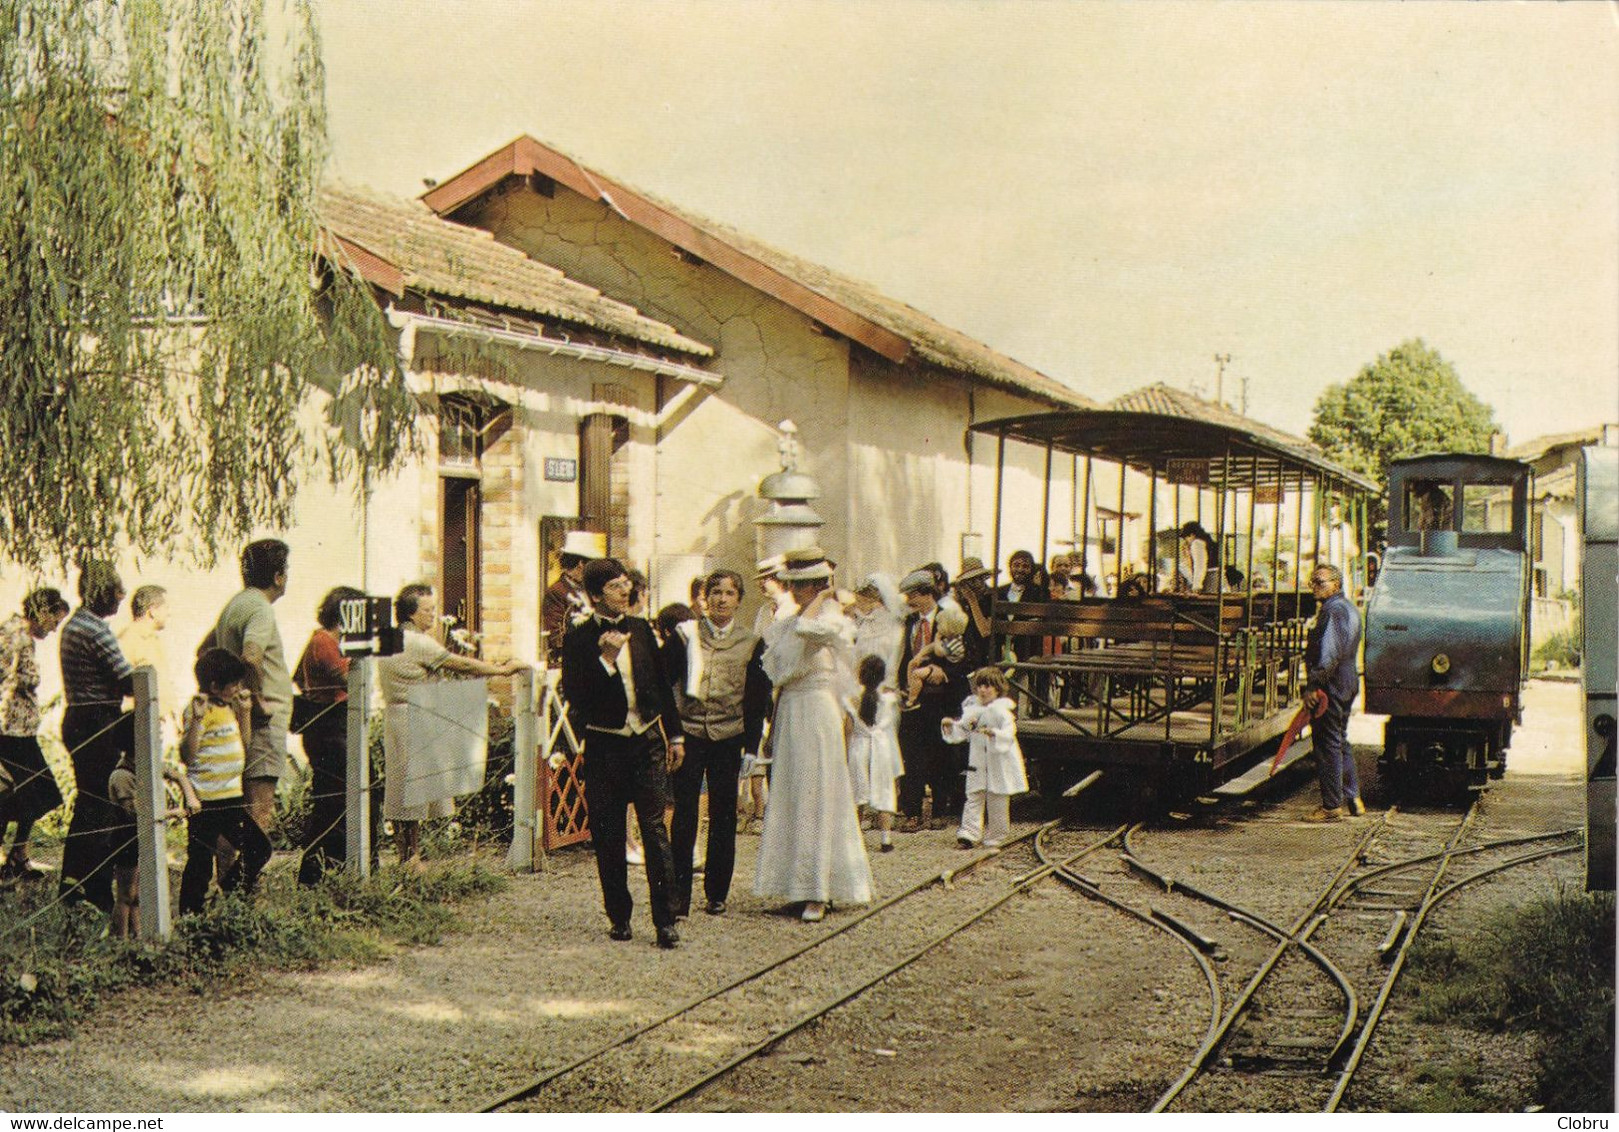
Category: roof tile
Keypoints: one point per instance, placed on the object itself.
(444, 258)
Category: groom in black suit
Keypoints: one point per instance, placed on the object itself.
(621, 708)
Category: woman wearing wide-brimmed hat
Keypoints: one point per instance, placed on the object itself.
(811, 850)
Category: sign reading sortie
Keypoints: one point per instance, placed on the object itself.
(366, 627)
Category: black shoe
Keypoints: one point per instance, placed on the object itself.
(887, 847)
(21, 868)
(715, 908)
(619, 933)
(668, 938)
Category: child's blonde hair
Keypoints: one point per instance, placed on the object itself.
(951, 622)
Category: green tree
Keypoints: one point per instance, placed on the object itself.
(162, 318)
(1406, 403)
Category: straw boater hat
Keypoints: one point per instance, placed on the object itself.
(917, 580)
(972, 568)
(807, 564)
(585, 544)
(769, 567)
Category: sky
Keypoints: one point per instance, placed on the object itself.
(1112, 193)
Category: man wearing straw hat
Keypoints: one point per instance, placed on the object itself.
(565, 600)
(928, 761)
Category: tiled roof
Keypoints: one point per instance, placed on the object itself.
(1161, 398)
(855, 309)
(1531, 450)
(439, 257)
(1556, 484)
(943, 346)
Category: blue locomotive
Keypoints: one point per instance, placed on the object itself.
(1447, 624)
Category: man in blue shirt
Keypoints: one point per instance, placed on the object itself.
(1330, 655)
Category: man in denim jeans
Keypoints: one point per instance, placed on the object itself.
(1329, 655)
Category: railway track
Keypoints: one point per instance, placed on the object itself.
(590, 1079)
(1293, 1035)
(1291, 1006)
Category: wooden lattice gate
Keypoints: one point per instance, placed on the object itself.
(564, 819)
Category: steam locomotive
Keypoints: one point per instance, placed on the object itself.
(1447, 623)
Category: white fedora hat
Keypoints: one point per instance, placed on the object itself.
(585, 544)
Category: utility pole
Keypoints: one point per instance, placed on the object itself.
(1221, 360)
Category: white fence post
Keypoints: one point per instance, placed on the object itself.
(525, 732)
(357, 817)
(151, 810)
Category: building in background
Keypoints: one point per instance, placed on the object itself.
(881, 394)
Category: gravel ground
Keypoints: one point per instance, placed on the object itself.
(1052, 1002)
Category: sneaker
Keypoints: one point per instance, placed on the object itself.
(1357, 807)
(1323, 814)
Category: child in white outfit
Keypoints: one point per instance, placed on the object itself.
(874, 763)
(994, 761)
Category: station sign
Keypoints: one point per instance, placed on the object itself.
(561, 470)
(366, 627)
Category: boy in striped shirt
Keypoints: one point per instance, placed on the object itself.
(214, 748)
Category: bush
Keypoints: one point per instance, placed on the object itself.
(56, 966)
(1561, 649)
(1546, 969)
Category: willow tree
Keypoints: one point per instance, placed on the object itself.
(164, 313)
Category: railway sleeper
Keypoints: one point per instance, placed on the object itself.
(1312, 1060)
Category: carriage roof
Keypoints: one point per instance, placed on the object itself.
(1213, 454)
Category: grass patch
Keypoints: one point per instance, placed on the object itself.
(1546, 969)
(55, 965)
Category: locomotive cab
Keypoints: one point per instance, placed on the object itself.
(1447, 633)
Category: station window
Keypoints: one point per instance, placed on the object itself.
(1487, 509)
(460, 432)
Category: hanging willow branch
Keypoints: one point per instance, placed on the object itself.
(160, 323)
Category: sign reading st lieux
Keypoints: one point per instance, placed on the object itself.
(561, 470)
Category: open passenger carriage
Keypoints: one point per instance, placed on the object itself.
(1173, 683)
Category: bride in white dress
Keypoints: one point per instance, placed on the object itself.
(811, 849)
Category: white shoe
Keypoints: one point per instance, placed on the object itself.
(633, 855)
(814, 912)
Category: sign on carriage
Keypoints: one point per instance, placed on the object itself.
(366, 627)
(1187, 471)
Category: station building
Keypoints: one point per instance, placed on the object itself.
(585, 355)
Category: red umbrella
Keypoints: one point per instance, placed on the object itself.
(1312, 708)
